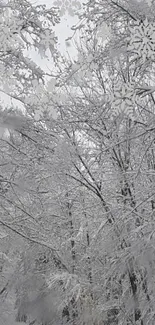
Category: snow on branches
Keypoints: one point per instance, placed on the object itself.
(70, 6)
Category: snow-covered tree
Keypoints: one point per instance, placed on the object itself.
(108, 117)
(78, 189)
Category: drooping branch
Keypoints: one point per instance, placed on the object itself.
(38, 242)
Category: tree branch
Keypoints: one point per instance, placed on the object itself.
(55, 253)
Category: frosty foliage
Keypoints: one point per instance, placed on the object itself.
(77, 167)
(48, 40)
(23, 25)
(103, 32)
(142, 39)
(68, 6)
(26, 27)
(124, 99)
(70, 283)
(10, 29)
(149, 2)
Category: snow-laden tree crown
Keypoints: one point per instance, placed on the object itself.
(77, 165)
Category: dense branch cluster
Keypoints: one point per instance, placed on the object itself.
(77, 166)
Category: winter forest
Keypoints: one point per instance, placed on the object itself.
(77, 164)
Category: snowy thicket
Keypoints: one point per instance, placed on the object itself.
(77, 166)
